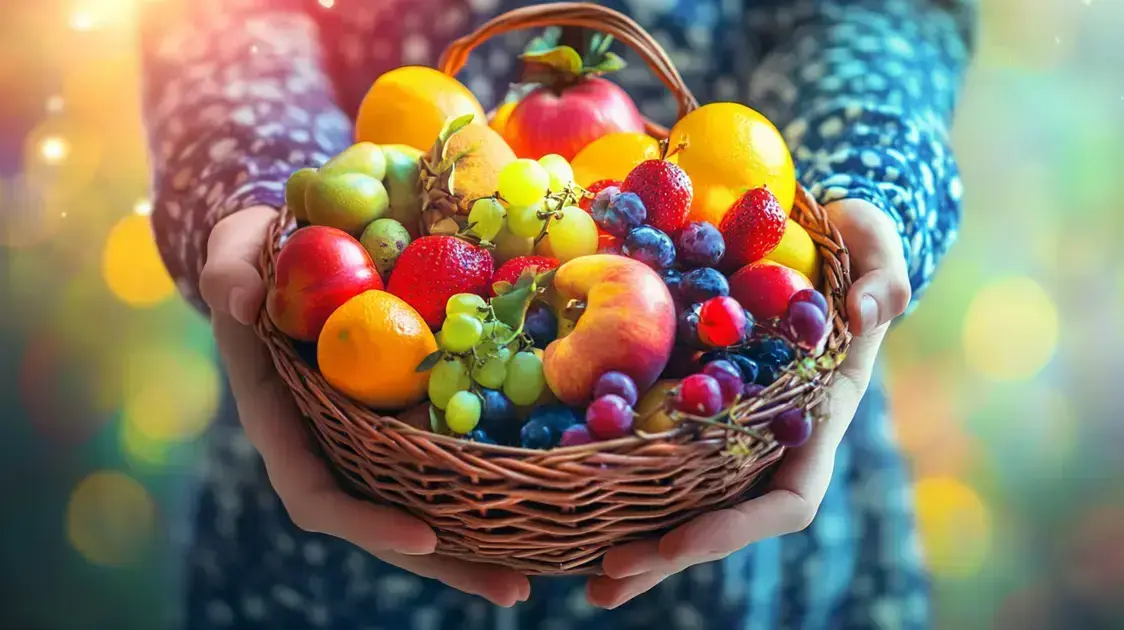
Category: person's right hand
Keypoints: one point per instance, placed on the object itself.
(233, 288)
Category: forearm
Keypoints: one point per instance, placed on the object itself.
(235, 100)
(864, 92)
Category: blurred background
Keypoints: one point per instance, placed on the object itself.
(1005, 382)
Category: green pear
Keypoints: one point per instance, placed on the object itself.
(349, 202)
(385, 240)
(402, 183)
(295, 190)
(365, 157)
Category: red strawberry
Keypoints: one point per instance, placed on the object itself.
(432, 269)
(586, 203)
(665, 190)
(512, 269)
(752, 228)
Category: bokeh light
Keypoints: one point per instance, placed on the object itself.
(131, 264)
(143, 207)
(1011, 329)
(54, 149)
(171, 396)
(141, 451)
(955, 526)
(111, 519)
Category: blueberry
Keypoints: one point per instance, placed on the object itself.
(770, 350)
(700, 244)
(497, 416)
(699, 285)
(687, 332)
(478, 435)
(649, 246)
(747, 365)
(767, 374)
(541, 324)
(536, 435)
(714, 355)
(673, 279)
(619, 214)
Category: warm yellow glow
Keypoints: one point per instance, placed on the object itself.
(1011, 330)
(141, 450)
(327, 4)
(83, 20)
(142, 207)
(131, 264)
(955, 526)
(110, 519)
(55, 104)
(54, 149)
(172, 395)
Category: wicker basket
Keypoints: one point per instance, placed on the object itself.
(557, 511)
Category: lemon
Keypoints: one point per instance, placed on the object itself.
(613, 156)
(410, 105)
(797, 251)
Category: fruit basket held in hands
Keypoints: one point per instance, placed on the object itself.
(550, 504)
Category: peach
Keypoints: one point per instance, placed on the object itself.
(764, 288)
(628, 325)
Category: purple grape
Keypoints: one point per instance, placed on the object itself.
(752, 389)
(688, 326)
(576, 436)
(791, 428)
(673, 279)
(810, 296)
(699, 394)
(807, 323)
(649, 246)
(700, 244)
(621, 214)
(729, 379)
(617, 383)
(609, 417)
(699, 285)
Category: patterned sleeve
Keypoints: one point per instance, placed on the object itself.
(864, 91)
(235, 100)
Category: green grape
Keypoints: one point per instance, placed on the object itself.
(461, 332)
(463, 412)
(525, 380)
(523, 182)
(467, 303)
(510, 246)
(525, 221)
(561, 173)
(491, 372)
(448, 377)
(573, 235)
(495, 331)
(486, 218)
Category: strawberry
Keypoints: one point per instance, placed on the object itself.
(752, 228)
(665, 190)
(433, 269)
(512, 269)
(586, 203)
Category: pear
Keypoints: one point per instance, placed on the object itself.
(349, 202)
(295, 190)
(402, 171)
(366, 158)
(385, 240)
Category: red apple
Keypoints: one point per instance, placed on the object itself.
(318, 269)
(628, 325)
(764, 288)
(564, 120)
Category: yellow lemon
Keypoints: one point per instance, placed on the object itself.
(612, 156)
(409, 105)
(797, 251)
(726, 148)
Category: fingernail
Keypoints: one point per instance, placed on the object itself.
(869, 311)
(237, 305)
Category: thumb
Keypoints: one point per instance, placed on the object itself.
(230, 282)
(881, 288)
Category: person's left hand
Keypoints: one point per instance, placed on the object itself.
(880, 293)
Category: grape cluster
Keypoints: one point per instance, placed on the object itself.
(540, 197)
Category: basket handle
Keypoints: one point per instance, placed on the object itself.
(583, 15)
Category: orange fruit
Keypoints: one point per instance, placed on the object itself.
(613, 156)
(500, 116)
(409, 105)
(797, 251)
(727, 148)
(369, 348)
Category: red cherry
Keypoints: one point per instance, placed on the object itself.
(700, 395)
(722, 322)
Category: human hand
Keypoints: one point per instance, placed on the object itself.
(233, 288)
(880, 293)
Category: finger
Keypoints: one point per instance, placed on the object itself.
(310, 494)
(881, 290)
(230, 281)
(498, 585)
(606, 592)
(633, 559)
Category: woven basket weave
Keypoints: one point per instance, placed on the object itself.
(557, 511)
